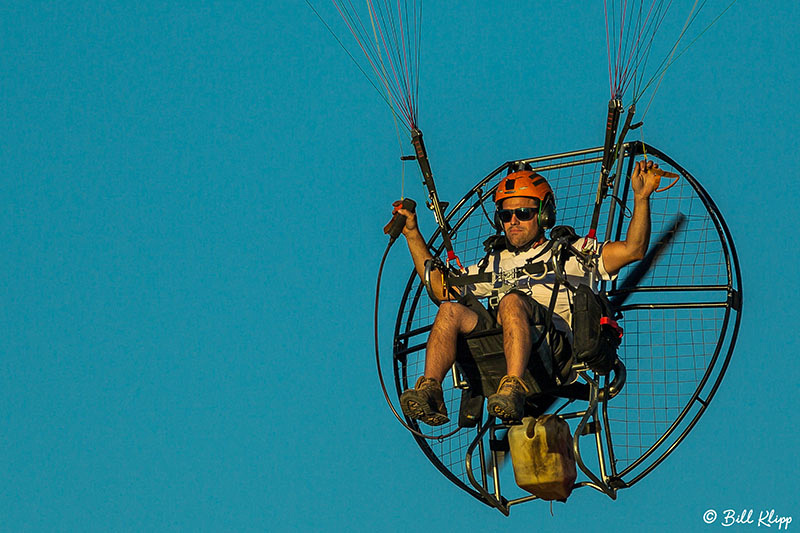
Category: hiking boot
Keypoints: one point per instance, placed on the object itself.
(508, 403)
(425, 402)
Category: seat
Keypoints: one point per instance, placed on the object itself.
(481, 364)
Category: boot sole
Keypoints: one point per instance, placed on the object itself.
(503, 410)
(414, 409)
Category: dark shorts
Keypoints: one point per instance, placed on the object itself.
(482, 360)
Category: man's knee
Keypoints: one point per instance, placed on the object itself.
(458, 315)
(513, 305)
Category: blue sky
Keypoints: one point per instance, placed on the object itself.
(193, 202)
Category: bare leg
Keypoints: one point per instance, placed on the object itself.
(452, 319)
(514, 314)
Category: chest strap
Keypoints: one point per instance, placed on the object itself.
(537, 269)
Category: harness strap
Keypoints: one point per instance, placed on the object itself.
(538, 268)
(534, 269)
(558, 259)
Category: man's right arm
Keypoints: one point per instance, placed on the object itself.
(419, 249)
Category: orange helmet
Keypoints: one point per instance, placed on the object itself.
(528, 184)
(523, 183)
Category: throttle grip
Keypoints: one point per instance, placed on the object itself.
(395, 227)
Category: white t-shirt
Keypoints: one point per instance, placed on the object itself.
(504, 263)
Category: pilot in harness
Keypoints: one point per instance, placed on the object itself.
(552, 279)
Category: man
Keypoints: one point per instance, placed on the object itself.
(525, 206)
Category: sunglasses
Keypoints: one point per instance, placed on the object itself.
(522, 213)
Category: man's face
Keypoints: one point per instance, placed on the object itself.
(521, 232)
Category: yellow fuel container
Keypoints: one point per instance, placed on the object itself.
(543, 457)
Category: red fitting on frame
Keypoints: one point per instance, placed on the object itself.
(613, 323)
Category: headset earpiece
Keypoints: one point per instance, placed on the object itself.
(547, 212)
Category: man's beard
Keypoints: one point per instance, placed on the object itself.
(526, 245)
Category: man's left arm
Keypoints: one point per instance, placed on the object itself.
(617, 254)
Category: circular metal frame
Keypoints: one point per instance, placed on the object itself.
(698, 291)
